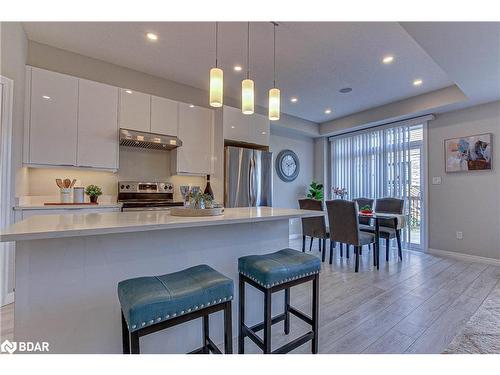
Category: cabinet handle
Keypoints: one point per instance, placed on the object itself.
(66, 165)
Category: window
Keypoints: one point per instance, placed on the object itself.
(384, 162)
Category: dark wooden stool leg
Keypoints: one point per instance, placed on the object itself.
(206, 334)
(287, 313)
(341, 250)
(315, 315)
(374, 250)
(228, 329)
(347, 250)
(323, 255)
(319, 244)
(387, 241)
(332, 245)
(267, 321)
(311, 244)
(134, 343)
(241, 318)
(125, 336)
(303, 243)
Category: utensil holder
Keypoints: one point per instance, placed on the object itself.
(78, 195)
(65, 195)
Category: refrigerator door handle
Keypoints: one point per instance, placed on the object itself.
(251, 195)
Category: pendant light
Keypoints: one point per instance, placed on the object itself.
(247, 86)
(216, 78)
(274, 93)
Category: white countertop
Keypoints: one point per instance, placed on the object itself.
(73, 225)
(66, 207)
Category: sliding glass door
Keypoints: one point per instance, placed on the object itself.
(384, 162)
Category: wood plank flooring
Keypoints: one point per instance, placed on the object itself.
(414, 306)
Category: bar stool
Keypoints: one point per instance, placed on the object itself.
(151, 304)
(271, 273)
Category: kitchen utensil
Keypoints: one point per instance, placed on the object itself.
(65, 195)
(78, 194)
(59, 183)
(67, 183)
(73, 183)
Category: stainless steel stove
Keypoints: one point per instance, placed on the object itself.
(146, 196)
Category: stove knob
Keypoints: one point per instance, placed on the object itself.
(128, 186)
(122, 186)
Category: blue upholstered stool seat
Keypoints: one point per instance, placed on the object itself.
(149, 300)
(276, 268)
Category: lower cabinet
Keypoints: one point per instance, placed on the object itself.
(196, 131)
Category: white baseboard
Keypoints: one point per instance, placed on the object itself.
(9, 298)
(465, 257)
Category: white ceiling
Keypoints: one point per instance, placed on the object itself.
(315, 59)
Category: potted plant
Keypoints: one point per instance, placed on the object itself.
(93, 191)
(315, 191)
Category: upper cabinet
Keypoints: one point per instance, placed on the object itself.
(196, 129)
(70, 121)
(52, 118)
(135, 110)
(97, 125)
(164, 116)
(253, 129)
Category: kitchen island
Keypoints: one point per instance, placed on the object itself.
(68, 268)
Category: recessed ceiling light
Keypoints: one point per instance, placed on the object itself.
(264, 133)
(152, 36)
(237, 68)
(345, 90)
(191, 106)
(417, 82)
(46, 97)
(388, 59)
(294, 99)
(128, 91)
(232, 127)
(328, 111)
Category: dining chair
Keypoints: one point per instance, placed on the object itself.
(344, 227)
(314, 227)
(387, 228)
(364, 221)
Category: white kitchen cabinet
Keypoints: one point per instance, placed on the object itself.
(235, 124)
(259, 128)
(97, 125)
(253, 129)
(52, 118)
(164, 116)
(135, 110)
(195, 130)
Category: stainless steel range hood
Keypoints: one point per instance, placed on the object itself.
(134, 138)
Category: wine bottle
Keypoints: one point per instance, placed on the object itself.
(208, 188)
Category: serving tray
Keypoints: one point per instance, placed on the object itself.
(196, 212)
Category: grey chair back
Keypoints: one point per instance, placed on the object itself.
(364, 202)
(389, 206)
(313, 226)
(343, 218)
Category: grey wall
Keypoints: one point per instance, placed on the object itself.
(13, 59)
(286, 194)
(465, 201)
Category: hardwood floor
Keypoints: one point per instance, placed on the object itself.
(414, 306)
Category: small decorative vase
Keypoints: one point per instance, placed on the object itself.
(93, 199)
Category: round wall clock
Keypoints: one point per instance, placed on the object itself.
(287, 165)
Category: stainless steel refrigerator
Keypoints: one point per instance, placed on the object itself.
(248, 177)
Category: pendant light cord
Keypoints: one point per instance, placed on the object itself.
(248, 50)
(274, 51)
(216, 42)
